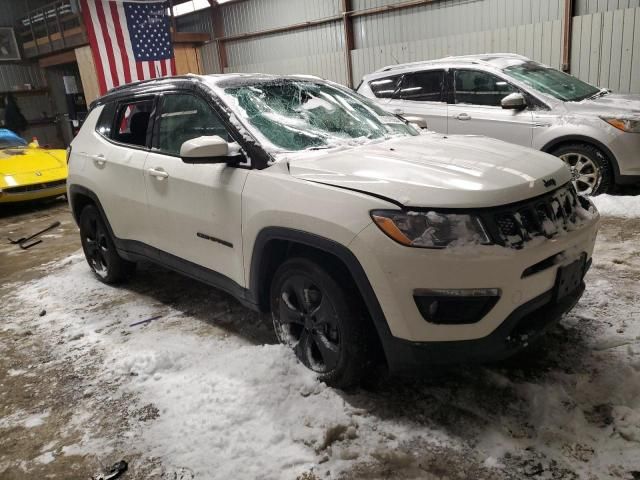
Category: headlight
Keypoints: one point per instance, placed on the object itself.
(431, 229)
(625, 124)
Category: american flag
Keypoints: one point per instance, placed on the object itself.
(130, 40)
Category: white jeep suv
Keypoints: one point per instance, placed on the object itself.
(509, 97)
(367, 240)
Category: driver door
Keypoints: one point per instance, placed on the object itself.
(477, 110)
(194, 209)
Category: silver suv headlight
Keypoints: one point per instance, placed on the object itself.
(431, 229)
(629, 125)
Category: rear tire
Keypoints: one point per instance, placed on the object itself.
(325, 326)
(590, 169)
(99, 249)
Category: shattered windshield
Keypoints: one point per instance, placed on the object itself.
(297, 115)
(552, 82)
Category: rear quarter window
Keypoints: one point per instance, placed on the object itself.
(105, 121)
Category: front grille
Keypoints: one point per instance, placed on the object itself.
(35, 187)
(542, 216)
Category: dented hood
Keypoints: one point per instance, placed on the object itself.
(434, 170)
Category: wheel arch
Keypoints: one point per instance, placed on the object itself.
(80, 197)
(569, 139)
(273, 245)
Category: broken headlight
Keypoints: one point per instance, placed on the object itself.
(431, 229)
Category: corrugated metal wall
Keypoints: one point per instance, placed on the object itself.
(199, 21)
(584, 7)
(606, 49)
(448, 18)
(606, 34)
(315, 50)
(540, 41)
(252, 15)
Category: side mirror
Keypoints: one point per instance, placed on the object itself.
(514, 101)
(209, 149)
(416, 120)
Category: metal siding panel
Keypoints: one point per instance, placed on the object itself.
(585, 48)
(537, 42)
(556, 48)
(576, 35)
(616, 50)
(596, 45)
(547, 43)
(635, 61)
(605, 49)
(627, 50)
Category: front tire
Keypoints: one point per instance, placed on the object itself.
(99, 249)
(590, 170)
(314, 314)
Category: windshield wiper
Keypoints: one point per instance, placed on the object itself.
(601, 93)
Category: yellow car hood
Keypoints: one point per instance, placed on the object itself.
(17, 161)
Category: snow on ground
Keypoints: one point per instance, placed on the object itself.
(618, 205)
(251, 410)
(223, 401)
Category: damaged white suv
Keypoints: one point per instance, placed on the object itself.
(367, 240)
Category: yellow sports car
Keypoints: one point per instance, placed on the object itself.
(28, 172)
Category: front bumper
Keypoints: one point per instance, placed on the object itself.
(625, 148)
(522, 328)
(35, 193)
(525, 278)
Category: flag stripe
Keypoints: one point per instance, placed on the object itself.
(117, 55)
(129, 40)
(119, 37)
(110, 74)
(88, 8)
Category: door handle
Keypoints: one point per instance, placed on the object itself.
(463, 116)
(158, 173)
(99, 160)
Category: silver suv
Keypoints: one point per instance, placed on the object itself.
(512, 98)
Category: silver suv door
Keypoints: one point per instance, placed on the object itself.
(421, 94)
(476, 108)
(417, 94)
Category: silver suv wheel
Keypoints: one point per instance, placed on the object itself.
(585, 174)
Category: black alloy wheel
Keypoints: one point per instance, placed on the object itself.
(99, 249)
(315, 312)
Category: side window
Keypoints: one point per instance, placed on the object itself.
(183, 117)
(132, 122)
(105, 122)
(481, 88)
(422, 86)
(385, 87)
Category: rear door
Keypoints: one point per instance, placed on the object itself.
(476, 108)
(194, 209)
(422, 94)
(114, 161)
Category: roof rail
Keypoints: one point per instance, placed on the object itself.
(476, 58)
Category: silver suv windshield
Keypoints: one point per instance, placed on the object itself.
(293, 115)
(552, 82)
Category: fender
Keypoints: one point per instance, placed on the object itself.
(339, 251)
(590, 140)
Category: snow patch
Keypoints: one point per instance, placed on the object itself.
(618, 206)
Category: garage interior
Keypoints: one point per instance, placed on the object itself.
(182, 382)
